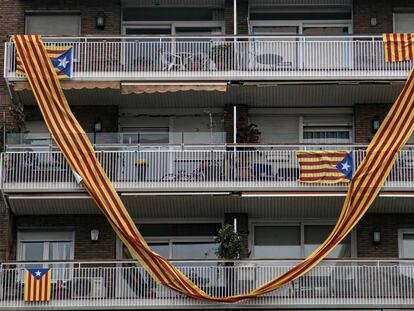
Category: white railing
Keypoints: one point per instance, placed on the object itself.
(349, 283)
(224, 58)
(169, 167)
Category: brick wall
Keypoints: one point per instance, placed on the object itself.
(104, 248)
(242, 16)
(382, 10)
(364, 113)
(4, 231)
(388, 225)
(242, 120)
(12, 22)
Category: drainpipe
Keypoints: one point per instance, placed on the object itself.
(234, 17)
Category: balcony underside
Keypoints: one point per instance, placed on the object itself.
(204, 205)
(256, 94)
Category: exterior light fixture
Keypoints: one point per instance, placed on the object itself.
(373, 21)
(97, 126)
(100, 21)
(375, 124)
(376, 237)
(94, 235)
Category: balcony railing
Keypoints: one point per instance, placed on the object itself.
(224, 58)
(344, 283)
(189, 167)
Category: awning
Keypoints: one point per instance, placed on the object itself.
(165, 87)
(74, 85)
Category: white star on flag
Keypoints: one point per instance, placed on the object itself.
(345, 166)
(63, 62)
(38, 273)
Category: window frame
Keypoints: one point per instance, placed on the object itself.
(54, 13)
(171, 239)
(301, 224)
(45, 237)
(401, 233)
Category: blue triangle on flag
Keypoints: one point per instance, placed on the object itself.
(38, 273)
(64, 63)
(345, 166)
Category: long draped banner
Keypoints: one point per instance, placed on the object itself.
(75, 146)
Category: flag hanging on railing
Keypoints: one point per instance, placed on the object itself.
(398, 46)
(37, 285)
(365, 185)
(61, 57)
(328, 167)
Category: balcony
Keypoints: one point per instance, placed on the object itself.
(186, 168)
(218, 58)
(123, 284)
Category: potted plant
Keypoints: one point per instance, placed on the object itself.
(230, 247)
(142, 165)
(246, 134)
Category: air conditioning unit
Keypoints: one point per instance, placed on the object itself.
(88, 287)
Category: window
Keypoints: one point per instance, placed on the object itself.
(145, 135)
(294, 241)
(53, 24)
(180, 240)
(47, 246)
(404, 22)
(406, 243)
(327, 135)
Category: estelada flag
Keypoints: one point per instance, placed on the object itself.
(61, 57)
(329, 167)
(37, 285)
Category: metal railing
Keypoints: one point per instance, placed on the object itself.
(350, 283)
(169, 167)
(223, 58)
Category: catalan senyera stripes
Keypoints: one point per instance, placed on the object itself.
(53, 51)
(320, 166)
(398, 46)
(37, 288)
(73, 143)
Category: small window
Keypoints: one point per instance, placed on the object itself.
(53, 24)
(277, 242)
(294, 241)
(403, 22)
(47, 246)
(407, 243)
(327, 135)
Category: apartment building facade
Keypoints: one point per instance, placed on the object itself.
(196, 109)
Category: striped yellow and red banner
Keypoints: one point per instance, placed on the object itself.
(398, 46)
(324, 166)
(53, 52)
(74, 144)
(37, 283)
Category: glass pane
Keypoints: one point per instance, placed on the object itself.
(148, 31)
(60, 251)
(277, 242)
(194, 250)
(33, 251)
(408, 245)
(168, 230)
(275, 30)
(167, 14)
(162, 249)
(325, 31)
(315, 235)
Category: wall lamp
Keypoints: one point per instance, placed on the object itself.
(375, 124)
(376, 237)
(94, 235)
(100, 21)
(97, 126)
